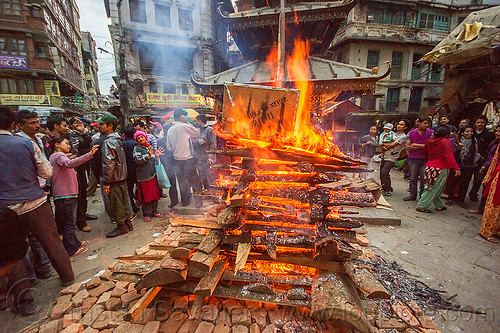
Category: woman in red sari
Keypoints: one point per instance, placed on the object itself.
(491, 217)
(147, 184)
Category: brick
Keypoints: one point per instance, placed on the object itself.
(240, 329)
(270, 306)
(205, 327)
(90, 330)
(147, 315)
(102, 321)
(260, 317)
(427, 322)
(93, 282)
(106, 275)
(254, 328)
(279, 318)
(241, 316)
(92, 314)
(189, 326)
(128, 327)
(163, 309)
(122, 284)
(209, 313)
(104, 297)
(415, 308)
(131, 287)
(270, 329)
(221, 328)
(253, 305)
(214, 301)
(73, 328)
(174, 322)
(53, 326)
(73, 289)
(152, 327)
(180, 304)
(390, 323)
(118, 291)
(224, 318)
(129, 297)
(60, 309)
(98, 291)
(72, 317)
(64, 298)
(113, 304)
(230, 304)
(79, 297)
(117, 318)
(87, 304)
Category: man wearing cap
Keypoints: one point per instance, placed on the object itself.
(390, 153)
(179, 138)
(114, 176)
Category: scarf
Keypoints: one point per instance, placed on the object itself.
(431, 174)
(466, 146)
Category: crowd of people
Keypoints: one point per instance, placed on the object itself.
(46, 179)
(443, 160)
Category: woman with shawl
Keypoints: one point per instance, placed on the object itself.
(439, 153)
(490, 225)
(466, 156)
(147, 185)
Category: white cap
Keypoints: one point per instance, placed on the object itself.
(389, 126)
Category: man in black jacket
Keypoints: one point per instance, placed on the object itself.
(484, 138)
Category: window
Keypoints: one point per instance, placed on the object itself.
(162, 14)
(433, 21)
(15, 86)
(392, 99)
(372, 59)
(35, 11)
(396, 65)
(153, 87)
(435, 72)
(416, 68)
(185, 89)
(186, 19)
(415, 99)
(40, 50)
(169, 88)
(10, 10)
(390, 16)
(12, 46)
(137, 11)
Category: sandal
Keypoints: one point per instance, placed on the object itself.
(441, 209)
(147, 219)
(158, 215)
(448, 203)
(81, 250)
(423, 210)
(490, 239)
(84, 243)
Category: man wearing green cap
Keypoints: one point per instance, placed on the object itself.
(114, 176)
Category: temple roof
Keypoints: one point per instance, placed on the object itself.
(316, 22)
(323, 73)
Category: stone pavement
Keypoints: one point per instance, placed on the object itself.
(442, 249)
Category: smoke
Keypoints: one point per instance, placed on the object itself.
(165, 60)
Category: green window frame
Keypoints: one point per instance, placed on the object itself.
(372, 59)
(429, 20)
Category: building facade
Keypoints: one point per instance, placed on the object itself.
(90, 66)
(400, 33)
(40, 56)
(158, 45)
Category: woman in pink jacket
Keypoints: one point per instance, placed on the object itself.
(65, 192)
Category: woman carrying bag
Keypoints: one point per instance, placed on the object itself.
(148, 190)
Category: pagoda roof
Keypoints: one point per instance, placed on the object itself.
(324, 74)
(256, 30)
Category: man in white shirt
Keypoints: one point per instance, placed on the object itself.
(179, 144)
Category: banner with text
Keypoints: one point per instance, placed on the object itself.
(8, 99)
(51, 87)
(15, 62)
(174, 100)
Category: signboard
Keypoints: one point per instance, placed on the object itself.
(174, 100)
(14, 62)
(259, 112)
(7, 99)
(51, 88)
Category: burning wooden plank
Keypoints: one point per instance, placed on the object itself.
(365, 281)
(209, 281)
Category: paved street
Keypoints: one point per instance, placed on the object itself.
(442, 249)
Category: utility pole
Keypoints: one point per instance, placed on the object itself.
(280, 70)
(122, 83)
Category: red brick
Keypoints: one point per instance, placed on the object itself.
(73, 289)
(60, 309)
(79, 297)
(209, 313)
(118, 291)
(173, 323)
(87, 304)
(98, 291)
(147, 315)
(104, 297)
(189, 326)
(128, 327)
(73, 328)
(113, 304)
(180, 304)
(102, 320)
(152, 327)
(254, 328)
(129, 297)
(92, 315)
(230, 304)
(72, 317)
(205, 327)
(240, 329)
(93, 282)
(53, 326)
(270, 329)
(221, 328)
(260, 317)
(90, 330)
(224, 318)
(241, 316)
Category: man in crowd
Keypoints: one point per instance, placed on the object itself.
(114, 176)
(179, 138)
(416, 155)
(167, 159)
(204, 142)
(29, 126)
(444, 121)
(484, 138)
(390, 154)
(463, 123)
(81, 141)
(24, 207)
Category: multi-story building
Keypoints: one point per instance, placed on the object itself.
(40, 53)
(158, 44)
(400, 32)
(90, 66)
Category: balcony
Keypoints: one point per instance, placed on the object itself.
(386, 32)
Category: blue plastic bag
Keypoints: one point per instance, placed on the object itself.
(161, 176)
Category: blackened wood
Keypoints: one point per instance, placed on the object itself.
(365, 281)
(209, 281)
(227, 217)
(161, 277)
(169, 262)
(211, 241)
(271, 239)
(203, 261)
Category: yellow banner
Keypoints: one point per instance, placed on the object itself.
(51, 87)
(174, 100)
(8, 99)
